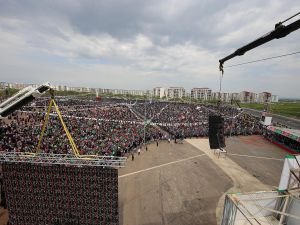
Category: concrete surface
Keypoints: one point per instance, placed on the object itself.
(162, 186)
(184, 192)
(258, 156)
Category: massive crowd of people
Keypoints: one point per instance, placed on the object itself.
(115, 126)
(184, 120)
(91, 135)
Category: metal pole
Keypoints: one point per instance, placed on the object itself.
(231, 124)
(221, 76)
(145, 125)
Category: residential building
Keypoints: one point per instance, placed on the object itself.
(248, 97)
(204, 94)
(17, 85)
(264, 97)
(175, 92)
(274, 98)
(159, 92)
(215, 96)
(3, 85)
(201, 94)
(226, 97)
(60, 88)
(235, 96)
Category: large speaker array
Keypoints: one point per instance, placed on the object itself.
(216, 132)
(58, 194)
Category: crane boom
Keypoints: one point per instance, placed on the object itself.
(280, 31)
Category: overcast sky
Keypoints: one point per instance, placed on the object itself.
(141, 44)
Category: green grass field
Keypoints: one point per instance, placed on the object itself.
(290, 109)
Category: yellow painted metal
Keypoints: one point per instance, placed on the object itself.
(44, 126)
(73, 145)
(70, 138)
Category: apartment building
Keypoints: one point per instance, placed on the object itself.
(201, 94)
(274, 98)
(264, 97)
(159, 92)
(248, 97)
(175, 92)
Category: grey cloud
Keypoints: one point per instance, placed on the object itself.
(198, 22)
(150, 42)
(124, 19)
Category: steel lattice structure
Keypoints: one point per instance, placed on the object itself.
(62, 159)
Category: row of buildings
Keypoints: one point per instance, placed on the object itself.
(201, 94)
(206, 94)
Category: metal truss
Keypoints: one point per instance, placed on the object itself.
(294, 179)
(62, 159)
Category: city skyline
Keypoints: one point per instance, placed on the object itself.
(141, 45)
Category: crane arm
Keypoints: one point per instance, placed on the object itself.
(21, 98)
(280, 31)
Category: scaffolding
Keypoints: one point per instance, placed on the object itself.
(294, 179)
(62, 159)
(262, 208)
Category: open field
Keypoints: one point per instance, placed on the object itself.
(290, 109)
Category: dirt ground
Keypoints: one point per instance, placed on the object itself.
(183, 184)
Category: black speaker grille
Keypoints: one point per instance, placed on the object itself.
(216, 132)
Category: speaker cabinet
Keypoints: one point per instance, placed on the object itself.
(216, 132)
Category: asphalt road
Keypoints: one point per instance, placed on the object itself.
(290, 122)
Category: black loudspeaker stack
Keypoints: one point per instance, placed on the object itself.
(216, 132)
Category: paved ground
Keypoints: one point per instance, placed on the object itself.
(238, 164)
(264, 160)
(181, 187)
(177, 184)
(184, 184)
